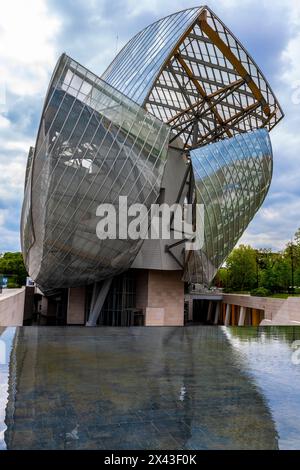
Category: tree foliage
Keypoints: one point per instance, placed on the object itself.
(12, 265)
(241, 266)
(247, 269)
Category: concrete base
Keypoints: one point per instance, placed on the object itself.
(76, 306)
(160, 294)
(12, 307)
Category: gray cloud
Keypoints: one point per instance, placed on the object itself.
(88, 31)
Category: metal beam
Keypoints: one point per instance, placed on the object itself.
(168, 59)
(214, 83)
(180, 86)
(230, 106)
(205, 64)
(268, 119)
(228, 88)
(168, 250)
(201, 90)
(236, 119)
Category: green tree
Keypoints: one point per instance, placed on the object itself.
(12, 264)
(275, 275)
(242, 268)
(221, 279)
(248, 268)
(297, 237)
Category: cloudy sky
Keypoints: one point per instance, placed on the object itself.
(34, 33)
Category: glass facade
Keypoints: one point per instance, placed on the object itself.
(190, 71)
(183, 83)
(232, 178)
(136, 67)
(94, 145)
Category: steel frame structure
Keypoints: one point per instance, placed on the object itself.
(184, 84)
(222, 90)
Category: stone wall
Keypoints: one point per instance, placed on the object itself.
(276, 311)
(12, 307)
(76, 306)
(165, 306)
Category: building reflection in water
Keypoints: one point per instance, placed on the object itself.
(138, 388)
(270, 357)
(6, 368)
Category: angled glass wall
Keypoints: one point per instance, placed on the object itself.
(94, 145)
(232, 178)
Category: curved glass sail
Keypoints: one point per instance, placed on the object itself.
(94, 145)
(137, 65)
(232, 178)
(190, 72)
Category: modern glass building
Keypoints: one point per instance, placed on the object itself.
(182, 115)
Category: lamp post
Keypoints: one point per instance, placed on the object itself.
(292, 264)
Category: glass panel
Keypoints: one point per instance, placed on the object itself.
(94, 145)
(135, 68)
(232, 178)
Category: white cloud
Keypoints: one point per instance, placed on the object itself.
(12, 174)
(27, 56)
(291, 56)
(270, 214)
(2, 216)
(4, 122)
(263, 240)
(27, 30)
(22, 146)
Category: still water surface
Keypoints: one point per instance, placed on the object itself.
(149, 388)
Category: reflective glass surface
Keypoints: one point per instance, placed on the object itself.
(150, 388)
(94, 145)
(232, 178)
(137, 65)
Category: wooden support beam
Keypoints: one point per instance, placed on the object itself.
(235, 62)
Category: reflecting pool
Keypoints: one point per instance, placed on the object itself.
(149, 388)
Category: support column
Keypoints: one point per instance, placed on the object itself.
(242, 316)
(98, 304)
(191, 310)
(255, 317)
(218, 308)
(227, 317)
(233, 315)
(96, 290)
(209, 313)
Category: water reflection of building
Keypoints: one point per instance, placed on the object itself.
(133, 389)
(181, 115)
